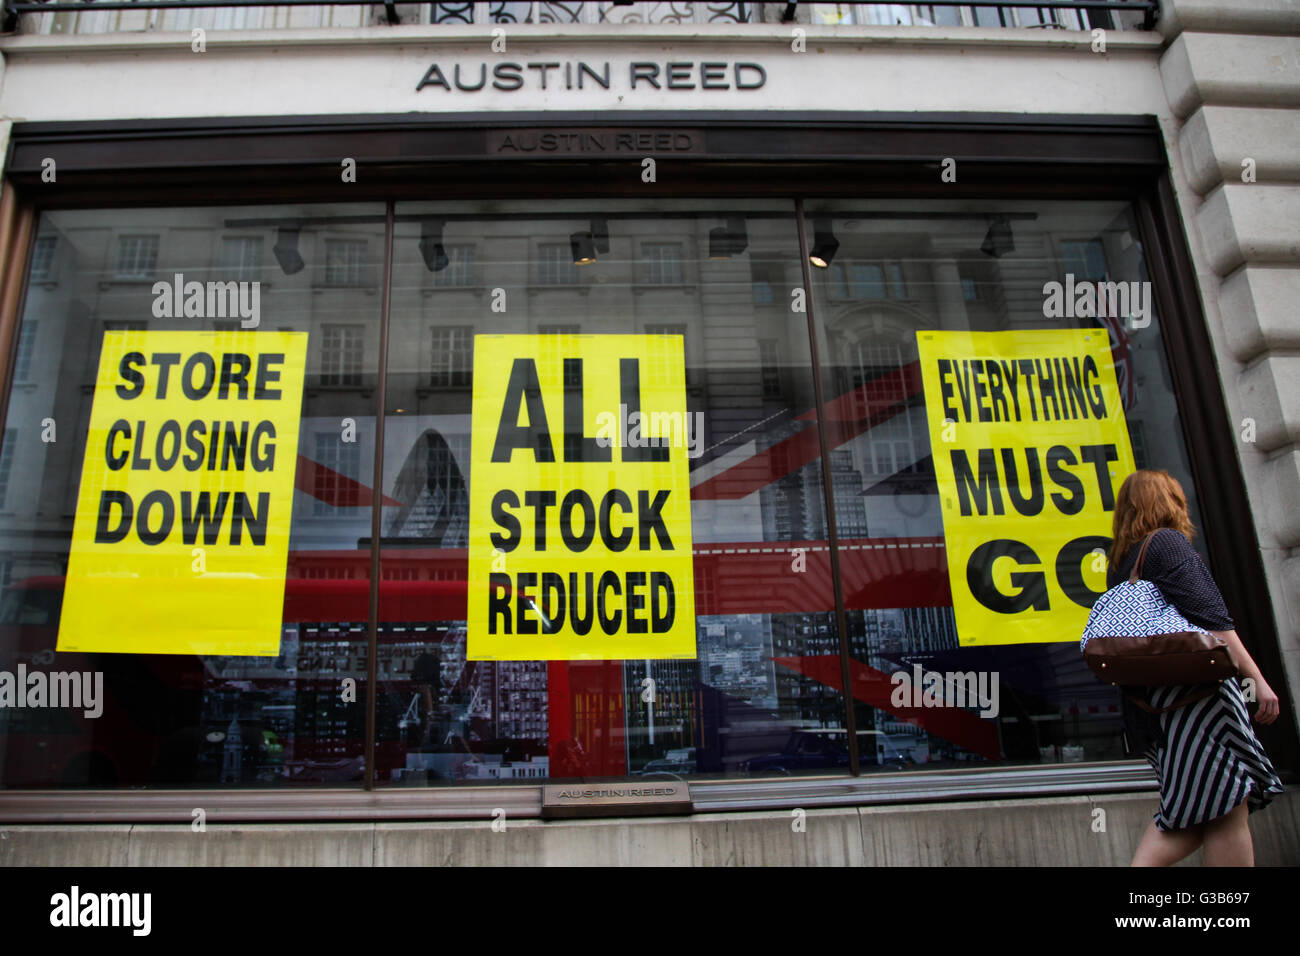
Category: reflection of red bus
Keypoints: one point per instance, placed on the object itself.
(48, 746)
(156, 726)
(167, 718)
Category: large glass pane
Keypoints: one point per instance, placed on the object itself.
(893, 270)
(719, 278)
(290, 717)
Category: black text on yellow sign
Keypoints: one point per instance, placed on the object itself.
(580, 513)
(1029, 444)
(181, 534)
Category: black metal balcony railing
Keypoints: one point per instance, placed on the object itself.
(1058, 14)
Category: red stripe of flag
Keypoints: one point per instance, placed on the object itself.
(874, 688)
(332, 487)
(847, 417)
(756, 578)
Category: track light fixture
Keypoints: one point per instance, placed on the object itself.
(286, 251)
(729, 240)
(431, 248)
(583, 246)
(998, 241)
(600, 235)
(825, 245)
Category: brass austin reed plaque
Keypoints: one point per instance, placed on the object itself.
(615, 799)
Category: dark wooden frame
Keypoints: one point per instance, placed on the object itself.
(153, 162)
(733, 154)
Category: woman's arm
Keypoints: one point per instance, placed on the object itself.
(1269, 705)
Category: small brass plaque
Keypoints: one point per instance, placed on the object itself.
(616, 799)
(593, 141)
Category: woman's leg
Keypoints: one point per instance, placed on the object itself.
(1227, 839)
(1166, 847)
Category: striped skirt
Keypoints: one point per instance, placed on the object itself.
(1209, 760)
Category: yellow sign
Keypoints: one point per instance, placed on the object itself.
(580, 511)
(182, 529)
(1030, 446)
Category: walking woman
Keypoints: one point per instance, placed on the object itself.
(1212, 770)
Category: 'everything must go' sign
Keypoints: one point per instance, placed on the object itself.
(580, 512)
(1030, 445)
(182, 529)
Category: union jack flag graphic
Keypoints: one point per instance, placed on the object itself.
(1122, 352)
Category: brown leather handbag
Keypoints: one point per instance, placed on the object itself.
(1136, 638)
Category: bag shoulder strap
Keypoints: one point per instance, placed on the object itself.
(1180, 702)
(1137, 565)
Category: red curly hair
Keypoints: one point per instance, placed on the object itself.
(1147, 501)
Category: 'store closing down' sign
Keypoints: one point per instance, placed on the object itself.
(1030, 445)
(580, 513)
(182, 528)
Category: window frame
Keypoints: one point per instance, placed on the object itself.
(561, 265)
(344, 370)
(119, 246)
(459, 369)
(462, 267)
(241, 271)
(663, 271)
(356, 274)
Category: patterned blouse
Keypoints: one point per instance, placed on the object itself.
(1174, 566)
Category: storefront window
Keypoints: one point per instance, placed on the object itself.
(177, 719)
(968, 267)
(762, 584)
(763, 694)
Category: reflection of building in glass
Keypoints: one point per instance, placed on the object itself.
(802, 700)
(232, 754)
(884, 639)
(521, 700)
(506, 702)
(929, 628)
(846, 482)
(492, 767)
(793, 508)
(433, 492)
(879, 636)
(871, 348)
(735, 657)
(288, 711)
(668, 723)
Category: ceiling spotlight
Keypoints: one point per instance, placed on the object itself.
(719, 243)
(729, 240)
(998, 241)
(600, 235)
(583, 246)
(286, 251)
(431, 247)
(825, 245)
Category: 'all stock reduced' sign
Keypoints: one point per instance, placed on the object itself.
(580, 513)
